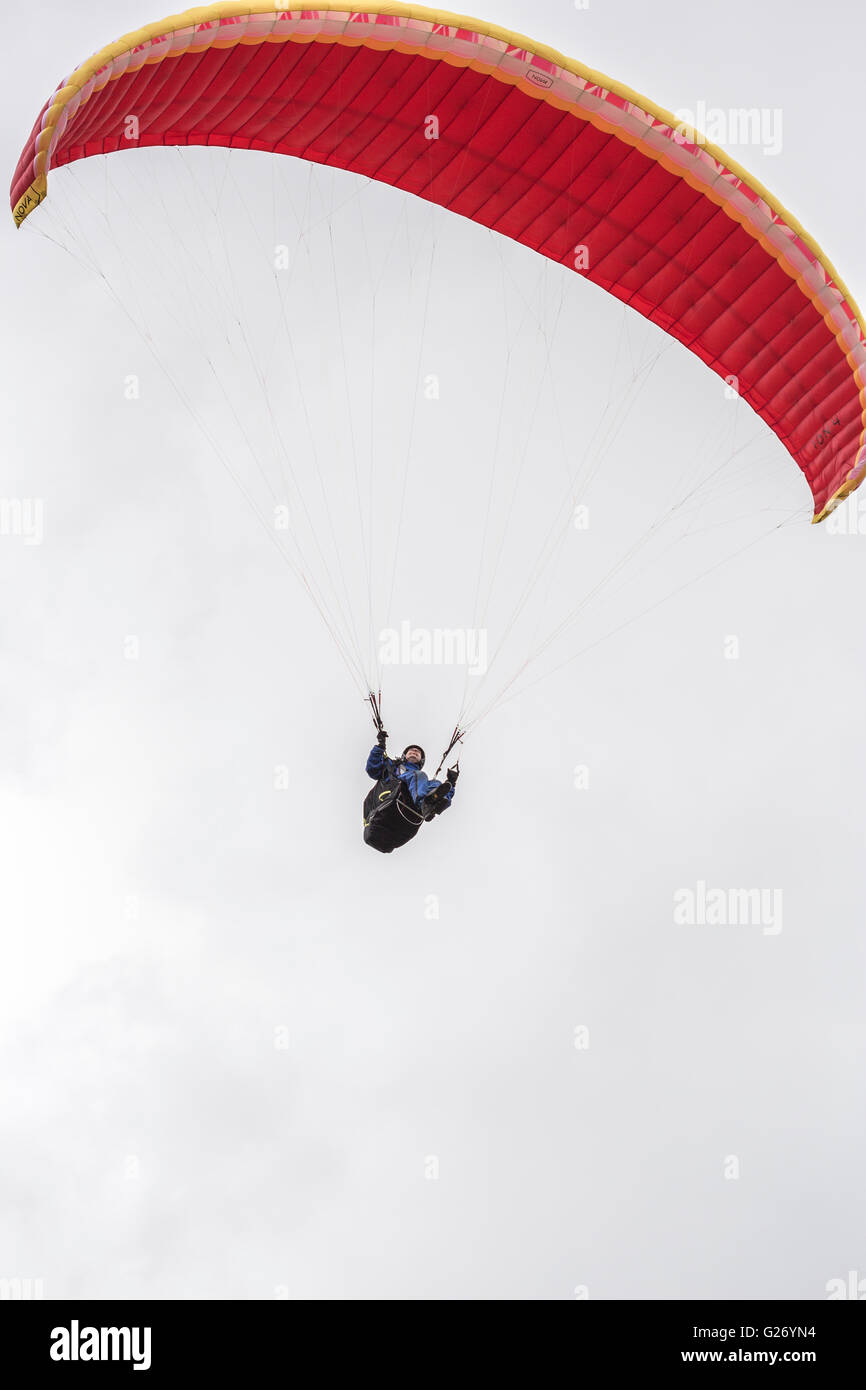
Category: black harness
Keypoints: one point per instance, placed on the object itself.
(390, 816)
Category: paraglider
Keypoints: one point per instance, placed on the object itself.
(528, 144)
(403, 797)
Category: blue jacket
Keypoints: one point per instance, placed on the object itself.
(416, 783)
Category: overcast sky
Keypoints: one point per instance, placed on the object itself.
(241, 1054)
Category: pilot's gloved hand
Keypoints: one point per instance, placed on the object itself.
(453, 773)
(382, 739)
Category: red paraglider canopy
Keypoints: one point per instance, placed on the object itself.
(523, 140)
